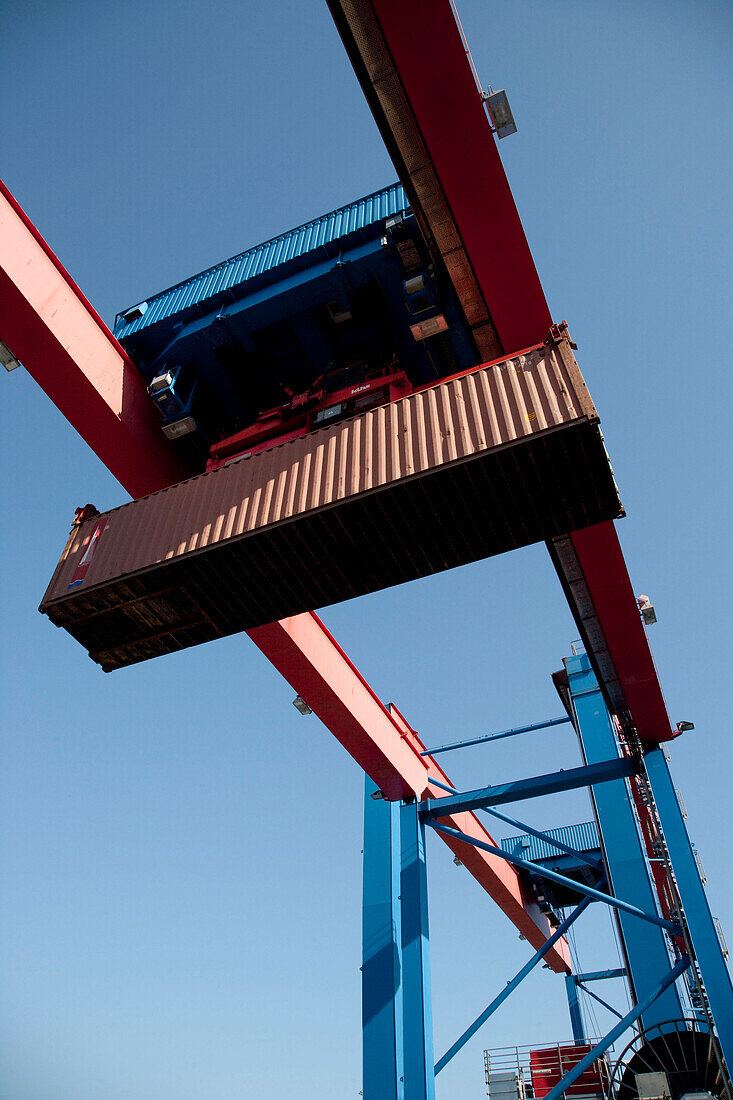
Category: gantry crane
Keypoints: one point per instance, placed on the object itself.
(420, 87)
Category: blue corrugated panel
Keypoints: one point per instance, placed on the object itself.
(583, 837)
(264, 257)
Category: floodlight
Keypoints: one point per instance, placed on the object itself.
(500, 112)
(7, 358)
(648, 613)
(179, 427)
(301, 706)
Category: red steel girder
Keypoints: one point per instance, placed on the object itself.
(413, 68)
(310, 659)
(638, 697)
(383, 743)
(52, 329)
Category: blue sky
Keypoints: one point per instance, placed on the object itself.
(181, 850)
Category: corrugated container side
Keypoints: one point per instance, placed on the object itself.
(449, 422)
(489, 460)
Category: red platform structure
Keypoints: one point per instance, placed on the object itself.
(549, 1065)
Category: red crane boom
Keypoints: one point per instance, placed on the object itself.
(51, 328)
(413, 68)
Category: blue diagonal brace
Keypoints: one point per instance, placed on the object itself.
(538, 785)
(631, 1017)
(555, 876)
(529, 829)
(600, 1000)
(583, 856)
(511, 985)
(600, 975)
(497, 736)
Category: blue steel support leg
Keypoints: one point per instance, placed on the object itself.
(381, 951)
(646, 946)
(417, 1009)
(705, 942)
(576, 1015)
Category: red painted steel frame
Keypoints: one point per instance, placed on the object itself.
(383, 743)
(602, 561)
(425, 48)
(52, 329)
(430, 58)
(59, 338)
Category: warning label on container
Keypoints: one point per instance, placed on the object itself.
(81, 570)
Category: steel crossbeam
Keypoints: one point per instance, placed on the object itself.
(498, 736)
(569, 780)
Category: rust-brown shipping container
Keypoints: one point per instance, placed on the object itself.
(498, 457)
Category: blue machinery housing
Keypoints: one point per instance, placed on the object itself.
(355, 287)
(399, 1061)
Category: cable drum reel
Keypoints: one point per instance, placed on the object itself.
(676, 1060)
